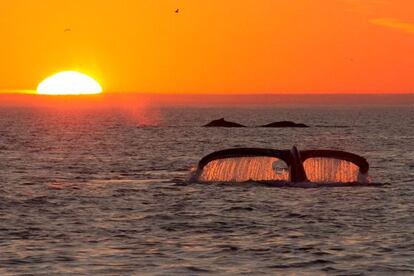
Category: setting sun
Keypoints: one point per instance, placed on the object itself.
(69, 83)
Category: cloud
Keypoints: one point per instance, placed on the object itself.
(394, 24)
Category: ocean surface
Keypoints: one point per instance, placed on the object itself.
(105, 192)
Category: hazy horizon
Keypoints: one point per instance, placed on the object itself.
(139, 99)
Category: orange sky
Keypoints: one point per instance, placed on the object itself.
(212, 46)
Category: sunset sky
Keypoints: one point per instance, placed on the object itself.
(211, 46)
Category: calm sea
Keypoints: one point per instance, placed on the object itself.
(105, 192)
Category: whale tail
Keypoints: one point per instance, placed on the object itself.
(334, 166)
(259, 164)
(297, 171)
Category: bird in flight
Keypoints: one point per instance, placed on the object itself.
(177, 11)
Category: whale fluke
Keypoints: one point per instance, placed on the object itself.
(223, 123)
(272, 165)
(284, 124)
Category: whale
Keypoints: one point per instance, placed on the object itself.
(223, 123)
(280, 124)
(294, 165)
(286, 124)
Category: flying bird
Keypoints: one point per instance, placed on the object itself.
(177, 11)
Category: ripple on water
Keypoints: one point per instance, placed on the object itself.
(91, 194)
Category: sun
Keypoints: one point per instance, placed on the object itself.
(69, 83)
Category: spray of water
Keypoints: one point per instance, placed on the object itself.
(245, 169)
(331, 170)
(242, 169)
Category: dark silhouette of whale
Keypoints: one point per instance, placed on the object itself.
(293, 158)
(284, 124)
(223, 123)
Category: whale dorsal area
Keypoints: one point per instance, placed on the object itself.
(223, 123)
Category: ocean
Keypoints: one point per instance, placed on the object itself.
(106, 192)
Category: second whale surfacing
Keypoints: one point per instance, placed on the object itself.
(280, 124)
(285, 124)
(223, 123)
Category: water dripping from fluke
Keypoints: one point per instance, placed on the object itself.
(283, 168)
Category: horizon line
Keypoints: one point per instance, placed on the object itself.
(34, 93)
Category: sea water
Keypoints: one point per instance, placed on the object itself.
(106, 192)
